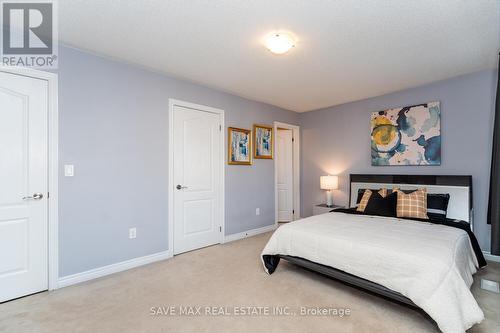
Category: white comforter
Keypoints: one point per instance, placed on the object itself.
(430, 264)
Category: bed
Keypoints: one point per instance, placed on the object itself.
(424, 265)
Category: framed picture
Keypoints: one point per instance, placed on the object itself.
(263, 141)
(410, 135)
(239, 146)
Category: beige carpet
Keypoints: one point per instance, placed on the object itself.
(223, 275)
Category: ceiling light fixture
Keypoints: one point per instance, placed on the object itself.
(279, 42)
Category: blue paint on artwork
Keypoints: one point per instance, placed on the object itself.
(433, 120)
(381, 158)
(401, 148)
(421, 140)
(405, 124)
(432, 148)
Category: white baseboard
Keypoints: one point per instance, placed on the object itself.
(110, 269)
(136, 262)
(491, 257)
(249, 233)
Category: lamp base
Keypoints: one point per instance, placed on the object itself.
(329, 199)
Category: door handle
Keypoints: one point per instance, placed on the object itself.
(180, 187)
(36, 196)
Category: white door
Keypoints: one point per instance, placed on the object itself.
(284, 154)
(23, 182)
(197, 172)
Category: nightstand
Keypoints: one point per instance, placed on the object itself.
(323, 208)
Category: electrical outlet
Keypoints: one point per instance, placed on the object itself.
(69, 170)
(132, 233)
(257, 211)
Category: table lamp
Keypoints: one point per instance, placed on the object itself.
(329, 183)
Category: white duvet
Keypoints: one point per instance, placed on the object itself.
(430, 264)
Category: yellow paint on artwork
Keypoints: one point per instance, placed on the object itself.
(380, 120)
(383, 135)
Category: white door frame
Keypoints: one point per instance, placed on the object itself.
(296, 170)
(171, 104)
(53, 167)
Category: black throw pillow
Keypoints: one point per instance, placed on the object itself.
(361, 191)
(378, 205)
(437, 206)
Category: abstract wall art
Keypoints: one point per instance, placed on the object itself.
(263, 141)
(410, 135)
(239, 146)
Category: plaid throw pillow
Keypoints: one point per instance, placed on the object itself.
(366, 197)
(412, 205)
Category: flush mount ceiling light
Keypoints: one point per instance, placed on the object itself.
(279, 42)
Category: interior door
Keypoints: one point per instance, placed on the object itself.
(23, 181)
(284, 154)
(197, 179)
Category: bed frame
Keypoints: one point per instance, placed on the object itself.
(459, 187)
(460, 207)
(350, 279)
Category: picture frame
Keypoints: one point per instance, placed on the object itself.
(263, 142)
(239, 146)
(409, 135)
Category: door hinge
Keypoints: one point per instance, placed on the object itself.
(220, 128)
(293, 211)
(48, 195)
(220, 229)
(293, 139)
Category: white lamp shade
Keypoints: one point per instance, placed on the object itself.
(329, 182)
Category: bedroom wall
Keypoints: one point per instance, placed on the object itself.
(336, 140)
(114, 129)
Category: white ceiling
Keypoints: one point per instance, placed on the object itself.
(347, 50)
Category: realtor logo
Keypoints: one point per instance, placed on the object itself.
(29, 34)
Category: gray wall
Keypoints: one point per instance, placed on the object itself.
(336, 140)
(114, 129)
